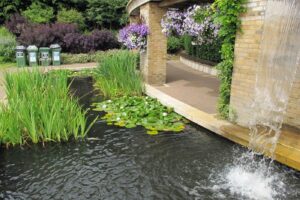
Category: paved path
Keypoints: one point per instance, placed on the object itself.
(193, 87)
(75, 67)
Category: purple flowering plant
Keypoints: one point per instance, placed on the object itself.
(204, 31)
(134, 36)
(172, 22)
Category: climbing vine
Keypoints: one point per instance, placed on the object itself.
(227, 15)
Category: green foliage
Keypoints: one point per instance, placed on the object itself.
(117, 75)
(9, 7)
(7, 46)
(40, 109)
(209, 52)
(71, 16)
(143, 111)
(174, 44)
(202, 14)
(227, 14)
(97, 56)
(39, 13)
(107, 13)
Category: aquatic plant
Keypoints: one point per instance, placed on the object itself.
(117, 75)
(143, 111)
(40, 109)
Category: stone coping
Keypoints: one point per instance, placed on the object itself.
(288, 147)
(203, 66)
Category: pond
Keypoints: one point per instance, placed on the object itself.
(119, 163)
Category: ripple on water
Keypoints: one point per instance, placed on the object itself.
(117, 163)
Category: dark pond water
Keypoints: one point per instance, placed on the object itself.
(117, 163)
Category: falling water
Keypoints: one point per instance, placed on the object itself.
(276, 71)
(252, 175)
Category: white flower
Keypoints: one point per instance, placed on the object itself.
(165, 114)
(118, 118)
(104, 106)
(109, 101)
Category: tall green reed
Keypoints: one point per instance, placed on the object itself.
(40, 109)
(117, 75)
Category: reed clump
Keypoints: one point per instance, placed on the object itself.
(40, 109)
(117, 75)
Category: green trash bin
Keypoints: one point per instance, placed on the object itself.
(44, 55)
(56, 58)
(32, 55)
(20, 56)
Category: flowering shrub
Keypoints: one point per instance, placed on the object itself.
(203, 30)
(134, 36)
(172, 23)
(179, 23)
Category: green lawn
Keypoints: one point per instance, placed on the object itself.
(7, 65)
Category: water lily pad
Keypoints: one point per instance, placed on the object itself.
(135, 111)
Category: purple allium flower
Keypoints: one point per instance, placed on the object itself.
(134, 36)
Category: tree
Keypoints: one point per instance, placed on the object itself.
(9, 7)
(71, 16)
(107, 13)
(39, 13)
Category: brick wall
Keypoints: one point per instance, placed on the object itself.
(247, 50)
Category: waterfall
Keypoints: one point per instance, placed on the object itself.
(250, 175)
(277, 67)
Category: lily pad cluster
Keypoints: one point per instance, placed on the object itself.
(143, 111)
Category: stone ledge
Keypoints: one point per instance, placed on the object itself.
(288, 146)
(206, 68)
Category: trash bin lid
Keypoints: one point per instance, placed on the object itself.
(20, 48)
(54, 46)
(32, 48)
(44, 48)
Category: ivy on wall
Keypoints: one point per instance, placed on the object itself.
(227, 15)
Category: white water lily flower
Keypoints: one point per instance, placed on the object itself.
(165, 114)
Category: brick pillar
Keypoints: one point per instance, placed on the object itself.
(155, 58)
(134, 19)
